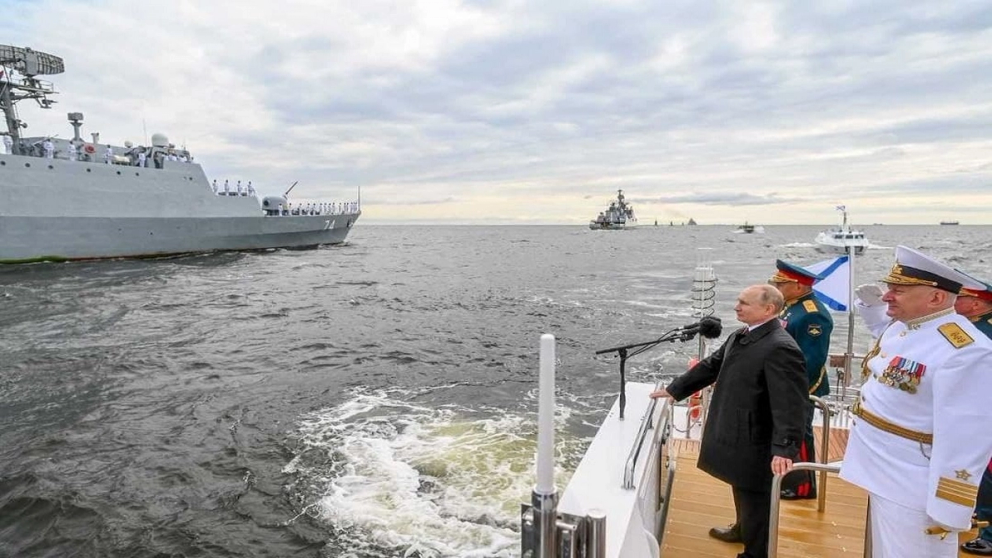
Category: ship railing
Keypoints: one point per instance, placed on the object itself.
(821, 497)
(776, 490)
(822, 468)
(642, 432)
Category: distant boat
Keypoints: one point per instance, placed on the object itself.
(749, 229)
(619, 215)
(949, 223)
(840, 240)
(691, 221)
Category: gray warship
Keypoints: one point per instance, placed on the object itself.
(72, 199)
(619, 215)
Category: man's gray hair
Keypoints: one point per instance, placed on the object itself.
(770, 295)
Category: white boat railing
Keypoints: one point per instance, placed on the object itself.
(642, 432)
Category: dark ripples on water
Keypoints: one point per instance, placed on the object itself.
(150, 408)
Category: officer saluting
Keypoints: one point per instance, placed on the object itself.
(920, 442)
(976, 305)
(808, 321)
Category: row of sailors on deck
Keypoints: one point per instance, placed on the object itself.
(319, 209)
(133, 156)
(237, 191)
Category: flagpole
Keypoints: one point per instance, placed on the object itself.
(849, 355)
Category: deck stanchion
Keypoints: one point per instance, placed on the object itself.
(821, 496)
(597, 534)
(777, 498)
(545, 497)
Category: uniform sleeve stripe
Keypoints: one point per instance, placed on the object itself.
(957, 491)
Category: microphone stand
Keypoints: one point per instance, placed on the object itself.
(634, 349)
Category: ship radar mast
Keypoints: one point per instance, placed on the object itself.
(29, 64)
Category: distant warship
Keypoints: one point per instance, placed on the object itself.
(619, 215)
(75, 199)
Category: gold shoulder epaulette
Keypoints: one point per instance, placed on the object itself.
(809, 305)
(953, 333)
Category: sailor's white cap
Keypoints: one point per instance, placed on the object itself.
(913, 267)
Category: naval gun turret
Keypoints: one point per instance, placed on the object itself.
(275, 205)
(29, 64)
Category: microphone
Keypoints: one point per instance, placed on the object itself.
(709, 327)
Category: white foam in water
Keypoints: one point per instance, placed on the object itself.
(424, 479)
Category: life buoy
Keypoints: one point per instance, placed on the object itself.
(696, 405)
(89, 148)
(696, 399)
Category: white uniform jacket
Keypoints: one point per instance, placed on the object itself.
(932, 376)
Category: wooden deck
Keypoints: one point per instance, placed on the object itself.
(700, 502)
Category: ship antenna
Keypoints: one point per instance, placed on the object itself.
(290, 188)
(29, 63)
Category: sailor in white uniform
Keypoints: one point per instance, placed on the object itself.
(49, 148)
(227, 188)
(108, 156)
(71, 151)
(239, 188)
(214, 186)
(8, 144)
(142, 159)
(251, 190)
(920, 440)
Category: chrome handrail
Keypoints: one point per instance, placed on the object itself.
(821, 498)
(642, 432)
(777, 497)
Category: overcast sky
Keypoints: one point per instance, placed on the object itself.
(494, 111)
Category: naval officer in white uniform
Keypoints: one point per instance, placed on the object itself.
(920, 439)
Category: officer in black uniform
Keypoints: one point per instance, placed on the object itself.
(976, 305)
(808, 321)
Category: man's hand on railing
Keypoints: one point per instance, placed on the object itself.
(662, 393)
(781, 465)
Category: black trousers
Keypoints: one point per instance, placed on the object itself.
(752, 516)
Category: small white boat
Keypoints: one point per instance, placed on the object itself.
(843, 239)
(749, 229)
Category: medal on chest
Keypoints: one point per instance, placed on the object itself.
(903, 374)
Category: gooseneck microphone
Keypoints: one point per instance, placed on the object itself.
(709, 327)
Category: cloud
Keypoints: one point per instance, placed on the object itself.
(719, 198)
(521, 111)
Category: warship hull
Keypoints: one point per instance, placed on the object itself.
(53, 210)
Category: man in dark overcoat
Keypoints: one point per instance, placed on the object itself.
(757, 412)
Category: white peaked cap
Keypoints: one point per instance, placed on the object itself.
(913, 267)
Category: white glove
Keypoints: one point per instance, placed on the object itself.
(869, 295)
